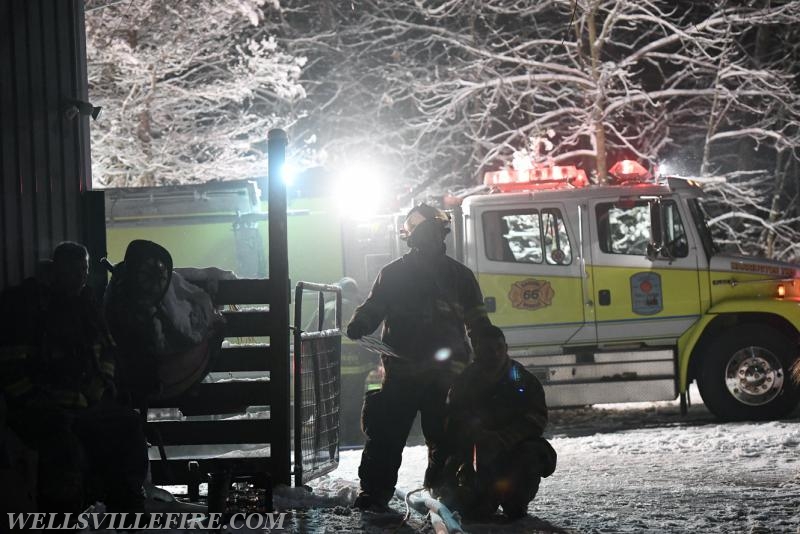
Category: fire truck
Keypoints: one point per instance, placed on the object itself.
(617, 292)
(607, 293)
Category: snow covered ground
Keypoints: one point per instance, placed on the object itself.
(623, 468)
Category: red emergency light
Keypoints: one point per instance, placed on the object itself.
(628, 170)
(550, 177)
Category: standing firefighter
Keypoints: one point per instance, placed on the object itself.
(496, 415)
(424, 299)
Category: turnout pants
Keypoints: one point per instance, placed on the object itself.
(84, 448)
(510, 479)
(386, 420)
(116, 451)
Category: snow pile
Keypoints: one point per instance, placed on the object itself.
(327, 492)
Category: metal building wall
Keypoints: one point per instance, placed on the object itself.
(45, 168)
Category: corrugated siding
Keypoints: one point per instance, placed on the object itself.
(44, 155)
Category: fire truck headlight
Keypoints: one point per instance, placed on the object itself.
(359, 191)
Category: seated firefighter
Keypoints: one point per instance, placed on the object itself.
(496, 415)
(57, 377)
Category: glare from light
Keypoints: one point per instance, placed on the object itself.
(443, 354)
(675, 167)
(360, 191)
(289, 172)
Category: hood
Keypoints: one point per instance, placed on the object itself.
(750, 266)
(733, 276)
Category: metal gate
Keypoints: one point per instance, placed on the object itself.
(317, 384)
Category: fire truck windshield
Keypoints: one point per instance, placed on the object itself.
(703, 231)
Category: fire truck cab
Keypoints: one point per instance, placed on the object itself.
(616, 293)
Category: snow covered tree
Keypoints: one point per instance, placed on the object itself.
(751, 138)
(448, 88)
(188, 90)
(440, 91)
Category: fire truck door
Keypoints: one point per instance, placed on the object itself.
(641, 294)
(528, 266)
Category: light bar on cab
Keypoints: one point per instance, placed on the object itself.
(551, 177)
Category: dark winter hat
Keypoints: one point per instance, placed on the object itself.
(490, 332)
(421, 213)
(69, 251)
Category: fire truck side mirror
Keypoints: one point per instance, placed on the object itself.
(652, 251)
(657, 251)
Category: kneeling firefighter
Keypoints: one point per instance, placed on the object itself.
(425, 299)
(496, 413)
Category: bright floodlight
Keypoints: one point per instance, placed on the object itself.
(289, 172)
(359, 191)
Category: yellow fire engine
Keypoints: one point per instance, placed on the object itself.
(616, 293)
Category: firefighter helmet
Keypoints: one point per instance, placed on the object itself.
(349, 287)
(421, 213)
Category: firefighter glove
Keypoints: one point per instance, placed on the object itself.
(357, 330)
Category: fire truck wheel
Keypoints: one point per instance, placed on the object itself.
(745, 374)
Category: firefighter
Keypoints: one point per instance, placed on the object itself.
(58, 380)
(496, 414)
(424, 299)
(350, 299)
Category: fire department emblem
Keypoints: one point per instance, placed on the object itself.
(646, 295)
(531, 294)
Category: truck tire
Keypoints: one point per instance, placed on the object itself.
(744, 374)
